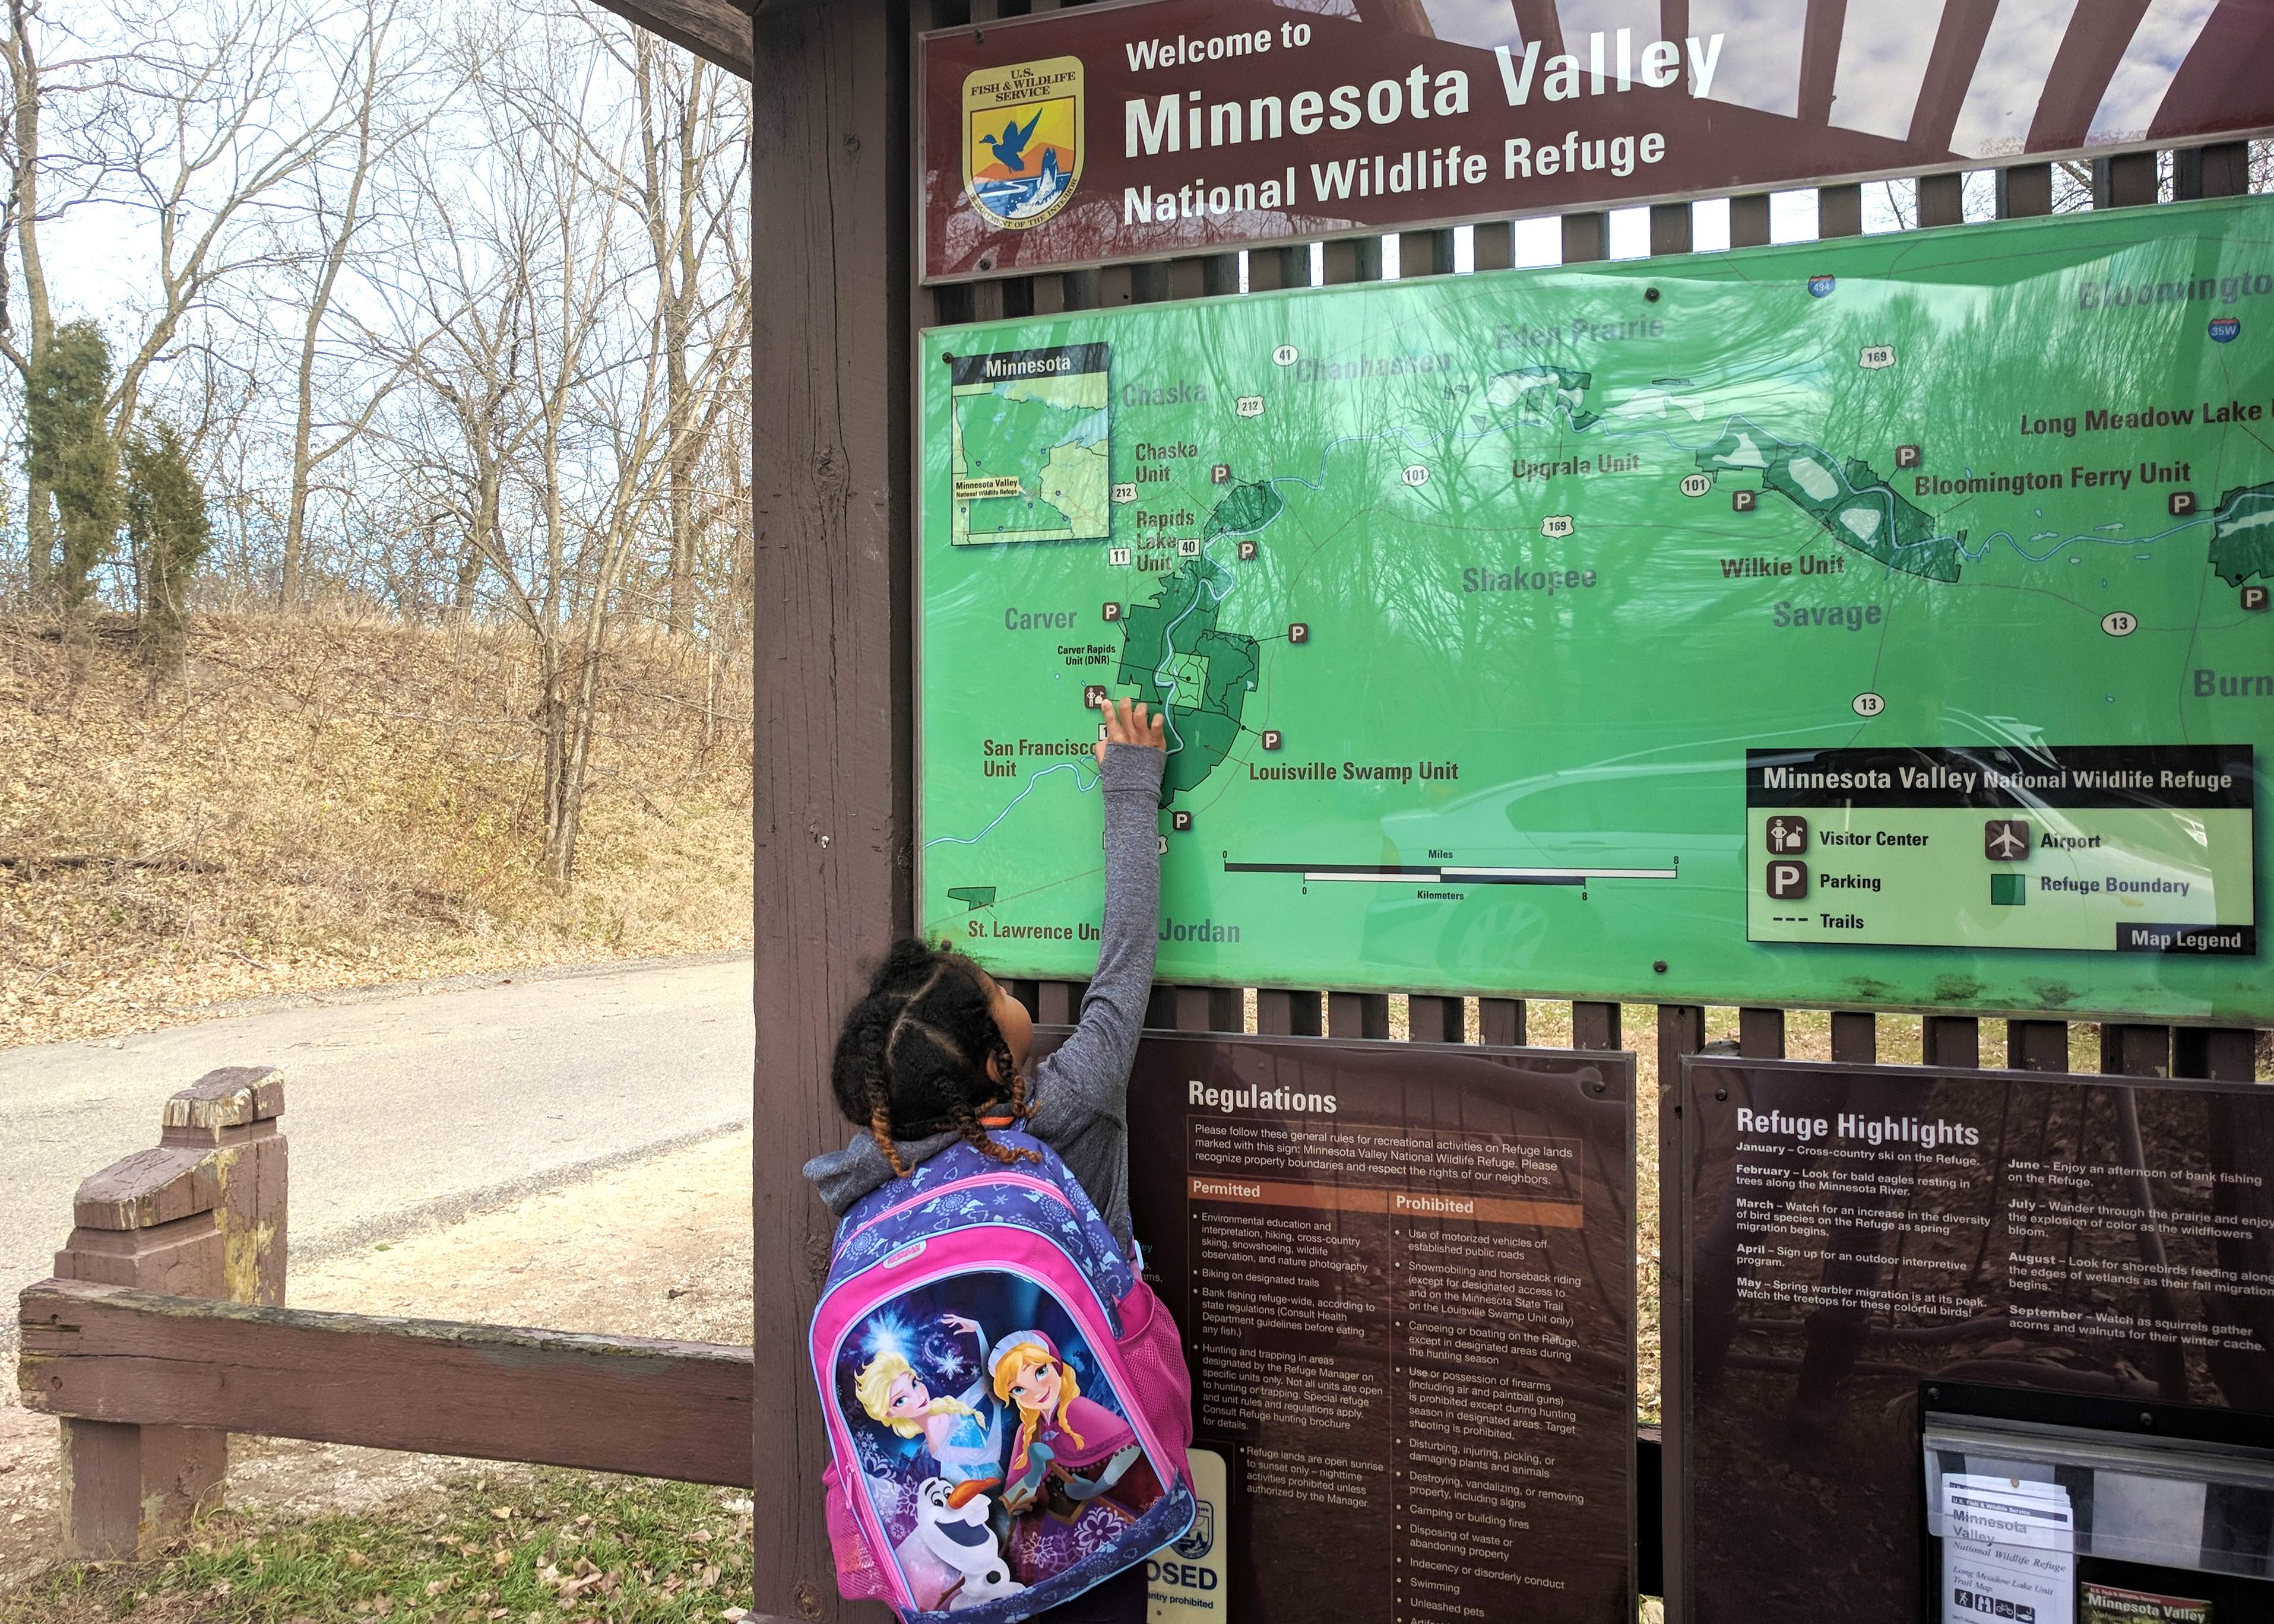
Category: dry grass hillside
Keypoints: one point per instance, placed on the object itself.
(323, 803)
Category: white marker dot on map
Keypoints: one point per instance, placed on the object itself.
(1415, 474)
(1285, 355)
(1869, 704)
(2119, 624)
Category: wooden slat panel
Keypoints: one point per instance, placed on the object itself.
(1424, 253)
(1352, 258)
(1855, 1037)
(1749, 221)
(2229, 1054)
(1950, 1040)
(1493, 245)
(1272, 268)
(1760, 1033)
(1594, 1024)
(2025, 190)
(1210, 1009)
(602, 1403)
(1430, 1019)
(2036, 1045)
(1357, 1014)
(1681, 1031)
(1500, 1020)
(2218, 171)
(1058, 1003)
(1289, 1013)
(1670, 231)
(1587, 237)
(2135, 1051)
(1839, 211)
(2125, 181)
(1942, 199)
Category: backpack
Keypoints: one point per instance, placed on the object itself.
(1006, 1402)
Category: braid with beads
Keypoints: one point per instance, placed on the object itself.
(920, 1053)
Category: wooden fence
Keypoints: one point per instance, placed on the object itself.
(163, 1331)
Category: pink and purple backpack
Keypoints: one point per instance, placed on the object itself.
(1007, 1402)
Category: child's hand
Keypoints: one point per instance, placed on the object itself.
(1127, 722)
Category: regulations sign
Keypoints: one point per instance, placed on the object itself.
(1766, 627)
(1115, 132)
(1405, 1275)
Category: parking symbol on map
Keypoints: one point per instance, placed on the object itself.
(1786, 833)
(1271, 738)
(2005, 840)
(1221, 474)
(1112, 613)
(1247, 550)
(1909, 456)
(1744, 501)
(2182, 503)
(1787, 881)
(2254, 599)
(1180, 822)
(1299, 633)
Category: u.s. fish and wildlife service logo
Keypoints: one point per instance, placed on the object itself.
(1022, 139)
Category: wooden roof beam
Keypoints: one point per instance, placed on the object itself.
(717, 31)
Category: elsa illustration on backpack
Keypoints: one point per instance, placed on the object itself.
(964, 1437)
(1071, 1451)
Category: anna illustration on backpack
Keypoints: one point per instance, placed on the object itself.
(1071, 1451)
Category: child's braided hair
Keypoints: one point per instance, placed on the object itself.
(915, 1056)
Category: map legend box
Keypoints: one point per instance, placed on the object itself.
(2106, 848)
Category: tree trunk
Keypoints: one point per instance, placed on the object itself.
(40, 536)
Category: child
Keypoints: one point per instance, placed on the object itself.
(937, 1050)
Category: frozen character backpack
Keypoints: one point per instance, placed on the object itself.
(1007, 1403)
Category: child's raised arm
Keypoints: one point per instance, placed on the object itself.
(1089, 1075)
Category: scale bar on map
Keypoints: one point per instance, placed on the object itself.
(1394, 874)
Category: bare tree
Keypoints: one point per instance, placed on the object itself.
(374, 71)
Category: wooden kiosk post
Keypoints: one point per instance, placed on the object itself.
(833, 801)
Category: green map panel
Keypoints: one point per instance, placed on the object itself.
(1466, 597)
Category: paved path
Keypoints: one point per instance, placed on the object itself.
(400, 1108)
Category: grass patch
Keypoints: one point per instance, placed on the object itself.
(527, 1547)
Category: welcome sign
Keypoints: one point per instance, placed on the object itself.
(1169, 127)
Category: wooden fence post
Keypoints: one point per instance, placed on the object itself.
(201, 1215)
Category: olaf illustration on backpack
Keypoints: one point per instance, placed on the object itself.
(971, 1569)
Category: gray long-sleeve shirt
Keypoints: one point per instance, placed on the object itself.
(1081, 1091)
